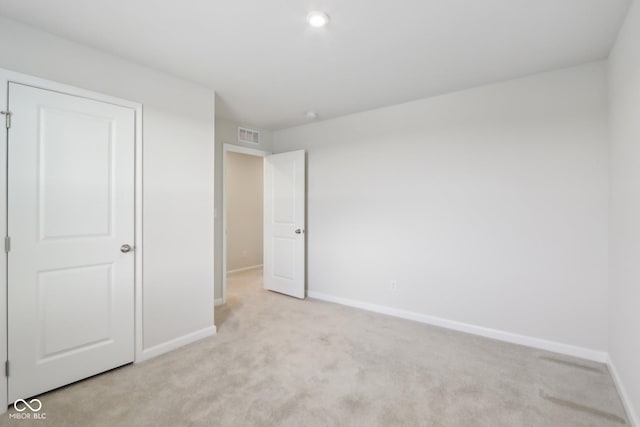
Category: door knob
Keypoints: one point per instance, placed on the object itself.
(125, 248)
(298, 231)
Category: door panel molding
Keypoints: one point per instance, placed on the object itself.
(6, 77)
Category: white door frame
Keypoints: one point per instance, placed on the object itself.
(235, 149)
(7, 77)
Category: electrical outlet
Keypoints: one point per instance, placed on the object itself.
(393, 285)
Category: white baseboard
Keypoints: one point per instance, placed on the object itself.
(218, 301)
(556, 347)
(632, 415)
(165, 347)
(240, 270)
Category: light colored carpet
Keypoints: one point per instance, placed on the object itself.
(278, 361)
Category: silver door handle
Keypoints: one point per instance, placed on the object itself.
(126, 248)
(299, 231)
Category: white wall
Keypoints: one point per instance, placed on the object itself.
(624, 80)
(177, 172)
(244, 190)
(226, 133)
(488, 206)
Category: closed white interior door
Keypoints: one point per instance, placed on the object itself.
(70, 210)
(284, 223)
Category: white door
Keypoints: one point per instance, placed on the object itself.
(70, 209)
(284, 223)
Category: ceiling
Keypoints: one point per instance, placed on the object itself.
(269, 67)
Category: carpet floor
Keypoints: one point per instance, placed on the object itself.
(278, 361)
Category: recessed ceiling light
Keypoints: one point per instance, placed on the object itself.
(318, 19)
(311, 115)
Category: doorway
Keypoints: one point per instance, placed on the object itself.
(283, 220)
(243, 188)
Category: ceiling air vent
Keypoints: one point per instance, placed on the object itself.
(248, 135)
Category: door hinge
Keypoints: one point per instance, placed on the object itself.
(7, 244)
(7, 117)
(6, 368)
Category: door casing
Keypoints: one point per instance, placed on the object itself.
(6, 77)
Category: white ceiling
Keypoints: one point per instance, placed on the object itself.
(269, 67)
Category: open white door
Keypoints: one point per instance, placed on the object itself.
(71, 224)
(284, 223)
